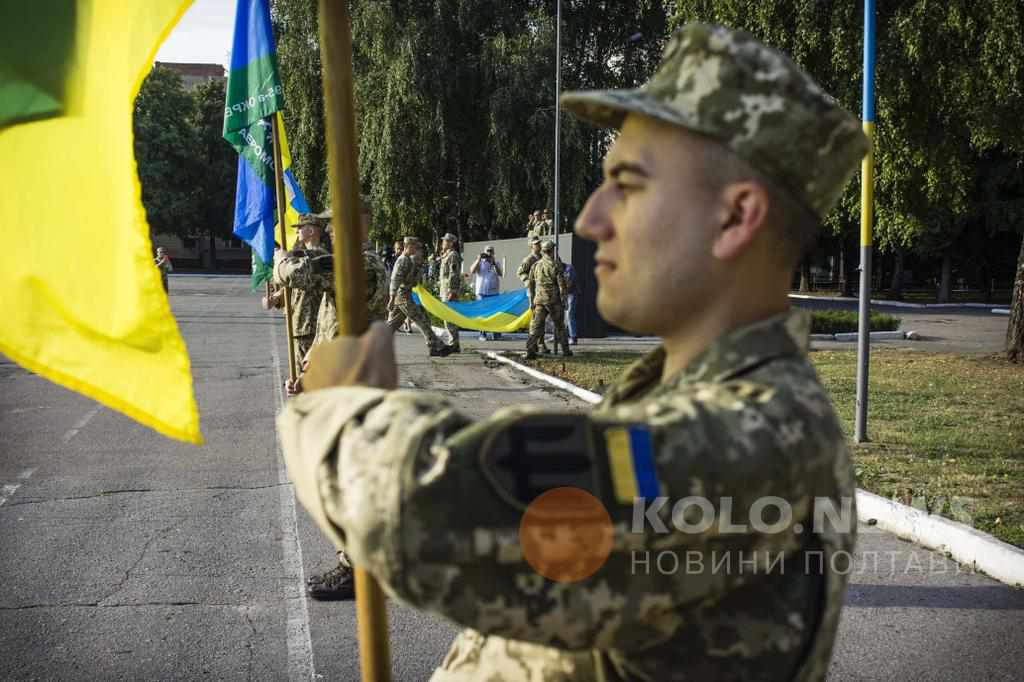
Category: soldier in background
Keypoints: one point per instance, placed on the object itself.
(406, 275)
(306, 292)
(309, 271)
(163, 263)
(449, 284)
(725, 165)
(523, 273)
(547, 292)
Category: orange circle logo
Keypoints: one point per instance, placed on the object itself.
(566, 534)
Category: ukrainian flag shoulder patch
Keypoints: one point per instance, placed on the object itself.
(631, 462)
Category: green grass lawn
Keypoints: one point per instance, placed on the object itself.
(947, 431)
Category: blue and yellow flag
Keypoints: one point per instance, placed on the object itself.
(83, 306)
(503, 313)
(254, 94)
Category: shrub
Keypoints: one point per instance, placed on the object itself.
(844, 321)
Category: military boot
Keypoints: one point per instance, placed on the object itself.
(333, 585)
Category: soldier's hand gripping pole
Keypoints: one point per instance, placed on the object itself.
(349, 275)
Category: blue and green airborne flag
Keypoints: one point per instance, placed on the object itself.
(254, 94)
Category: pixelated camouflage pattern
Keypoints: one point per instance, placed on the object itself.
(402, 308)
(546, 288)
(404, 275)
(450, 283)
(753, 99)
(546, 284)
(376, 296)
(307, 289)
(399, 479)
(449, 280)
(523, 273)
(376, 285)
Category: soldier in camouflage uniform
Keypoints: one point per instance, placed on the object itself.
(547, 291)
(450, 282)
(523, 273)
(406, 276)
(317, 270)
(726, 163)
(306, 292)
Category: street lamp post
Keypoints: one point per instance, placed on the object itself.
(558, 117)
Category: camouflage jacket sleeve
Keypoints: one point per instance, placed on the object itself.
(400, 274)
(430, 502)
(451, 273)
(523, 273)
(295, 272)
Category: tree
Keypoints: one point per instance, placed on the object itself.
(165, 143)
(1015, 327)
(948, 92)
(298, 48)
(213, 195)
(455, 103)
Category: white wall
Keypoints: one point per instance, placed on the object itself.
(509, 254)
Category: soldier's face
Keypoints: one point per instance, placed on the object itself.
(654, 223)
(306, 232)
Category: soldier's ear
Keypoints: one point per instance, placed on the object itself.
(742, 215)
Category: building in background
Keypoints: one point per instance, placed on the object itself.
(197, 253)
(194, 74)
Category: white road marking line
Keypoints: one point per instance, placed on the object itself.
(10, 488)
(72, 432)
(7, 491)
(300, 643)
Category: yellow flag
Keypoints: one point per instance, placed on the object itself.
(81, 298)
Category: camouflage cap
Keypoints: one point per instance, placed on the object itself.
(415, 241)
(449, 237)
(754, 100)
(547, 245)
(534, 240)
(306, 219)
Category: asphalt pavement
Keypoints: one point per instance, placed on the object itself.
(125, 555)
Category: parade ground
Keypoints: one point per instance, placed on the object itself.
(126, 555)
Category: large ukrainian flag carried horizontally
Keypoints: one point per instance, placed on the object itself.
(506, 312)
(81, 298)
(254, 94)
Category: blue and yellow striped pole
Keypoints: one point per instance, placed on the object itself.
(867, 208)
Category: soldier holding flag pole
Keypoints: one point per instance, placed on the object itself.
(726, 162)
(267, 192)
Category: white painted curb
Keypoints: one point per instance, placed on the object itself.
(896, 304)
(581, 393)
(1000, 560)
(1001, 311)
(875, 336)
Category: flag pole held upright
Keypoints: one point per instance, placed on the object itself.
(867, 208)
(282, 209)
(349, 276)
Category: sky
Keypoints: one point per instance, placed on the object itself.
(203, 35)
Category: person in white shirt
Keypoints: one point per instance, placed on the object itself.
(488, 274)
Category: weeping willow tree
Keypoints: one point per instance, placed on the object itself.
(456, 104)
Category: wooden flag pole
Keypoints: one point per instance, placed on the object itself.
(282, 208)
(350, 276)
